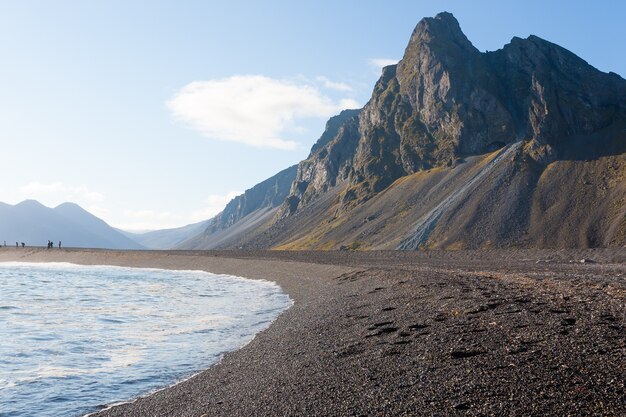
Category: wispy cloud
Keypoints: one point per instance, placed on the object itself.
(98, 211)
(141, 220)
(379, 63)
(58, 192)
(144, 220)
(251, 109)
(147, 214)
(333, 85)
(214, 204)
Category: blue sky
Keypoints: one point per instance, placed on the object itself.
(153, 114)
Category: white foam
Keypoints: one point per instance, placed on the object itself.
(120, 320)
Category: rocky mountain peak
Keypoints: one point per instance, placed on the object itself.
(446, 100)
(559, 96)
(437, 48)
(333, 125)
(441, 29)
(330, 161)
(523, 146)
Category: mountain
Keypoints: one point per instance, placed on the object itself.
(34, 224)
(245, 215)
(457, 148)
(167, 238)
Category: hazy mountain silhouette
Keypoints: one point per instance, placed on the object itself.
(34, 224)
(167, 238)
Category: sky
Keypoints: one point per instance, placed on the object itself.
(154, 114)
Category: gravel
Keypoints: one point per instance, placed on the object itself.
(409, 333)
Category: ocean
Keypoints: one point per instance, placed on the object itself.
(74, 339)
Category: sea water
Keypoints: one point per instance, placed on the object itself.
(74, 338)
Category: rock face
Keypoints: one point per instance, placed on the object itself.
(269, 193)
(330, 162)
(524, 146)
(445, 100)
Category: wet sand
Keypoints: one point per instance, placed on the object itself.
(516, 332)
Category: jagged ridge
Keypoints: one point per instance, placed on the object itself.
(434, 121)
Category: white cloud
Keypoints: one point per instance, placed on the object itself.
(38, 188)
(251, 109)
(57, 192)
(333, 85)
(382, 62)
(147, 214)
(348, 103)
(98, 211)
(215, 204)
(93, 196)
(143, 220)
(219, 201)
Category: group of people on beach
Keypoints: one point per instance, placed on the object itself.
(22, 244)
(17, 244)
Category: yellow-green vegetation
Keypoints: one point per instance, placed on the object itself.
(458, 245)
(355, 245)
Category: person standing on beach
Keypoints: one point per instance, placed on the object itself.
(59, 244)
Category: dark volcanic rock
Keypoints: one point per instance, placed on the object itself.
(329, 162)
(446, 99)
(523, 147)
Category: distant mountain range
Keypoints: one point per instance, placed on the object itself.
(167, 238)
(34, 224)
(520, 147)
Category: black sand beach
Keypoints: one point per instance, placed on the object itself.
(514, 332)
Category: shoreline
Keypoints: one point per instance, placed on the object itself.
(393, 333)
(272, 271)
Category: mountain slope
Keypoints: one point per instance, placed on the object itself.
(510, 204)
(34, 224)
(167, 238)
(445, 100)
(524, 146)
(245, 215)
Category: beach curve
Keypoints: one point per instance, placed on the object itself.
(397, 333)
